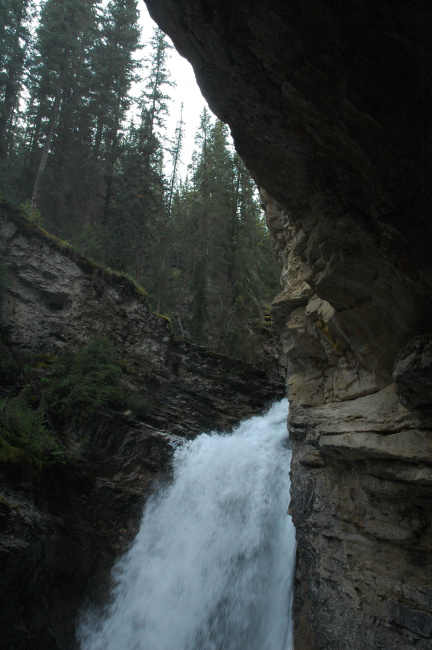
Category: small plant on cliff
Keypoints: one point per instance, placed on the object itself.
(85, 381)
(33, 214)
(3, 277)
(139, 405)
(24, 440)
(9, 368)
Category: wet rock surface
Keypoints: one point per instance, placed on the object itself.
(62, 528)
(329, 104)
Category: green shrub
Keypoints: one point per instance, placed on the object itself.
(85, 381)
(55, 392)
(3, 277)
(24, 440)
(9, 369)
(139, 405)
(34, 215)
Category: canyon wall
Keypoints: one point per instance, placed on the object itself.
(61, 527)
(329, 103)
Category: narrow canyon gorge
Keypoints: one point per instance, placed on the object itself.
(63, 524)
(329, 105)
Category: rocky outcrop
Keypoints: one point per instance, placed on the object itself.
(58, 299)
(413, 372)
(361, 468)
(61, 528)
(329, 104)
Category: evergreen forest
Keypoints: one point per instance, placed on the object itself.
(94, 166)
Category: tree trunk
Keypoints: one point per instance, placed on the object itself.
(112, 158)
(46, 148)
(12, 86)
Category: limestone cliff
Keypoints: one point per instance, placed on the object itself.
(361, 475)
(60, 529)
(329, 103)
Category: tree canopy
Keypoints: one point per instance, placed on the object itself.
(81, 156)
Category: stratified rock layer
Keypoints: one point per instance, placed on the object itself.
(329, 103)
(57, 299)
(61, 529)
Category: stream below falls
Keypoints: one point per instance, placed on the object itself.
(212, 565)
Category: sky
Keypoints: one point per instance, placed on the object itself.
(186, 91)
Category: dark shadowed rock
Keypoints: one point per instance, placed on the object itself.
(62, 528)
(413, 372)
(329, 103)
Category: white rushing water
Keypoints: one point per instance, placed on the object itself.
(212, 565)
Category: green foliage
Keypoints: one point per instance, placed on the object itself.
(139, 405)
(15, 17)
(24, 439)
(89, 241)
(34, 215)
(50, 395)
(3, 277)
(85, 381)
(154, 99)
(199, 247)
(222, 271)
(9, 369)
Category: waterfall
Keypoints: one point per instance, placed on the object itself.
(212, 565)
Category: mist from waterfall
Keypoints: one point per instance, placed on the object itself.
(212, 565)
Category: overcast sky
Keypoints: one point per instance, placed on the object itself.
(186, 91)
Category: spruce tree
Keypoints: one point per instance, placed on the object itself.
(140, 206)
(224, 269)
(15, 18)
(167, 230)
(199, 228)
(154, 98)
(138, 202)
(116, 67)
(61, 54)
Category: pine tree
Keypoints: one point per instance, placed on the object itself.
(61, 54)
(15, 18)
(221, 250)
(82, 72)
(154, 99)
(199, 224)
(253, 274)
(175, 152)
(115, 64)
(139, 205)
(138, 202)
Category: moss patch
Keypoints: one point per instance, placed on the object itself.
(29, 227)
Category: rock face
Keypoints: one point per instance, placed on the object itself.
(329, 103)
(58, 299)
(361, 468)
(61, 530)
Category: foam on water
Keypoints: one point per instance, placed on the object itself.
(212, 565)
